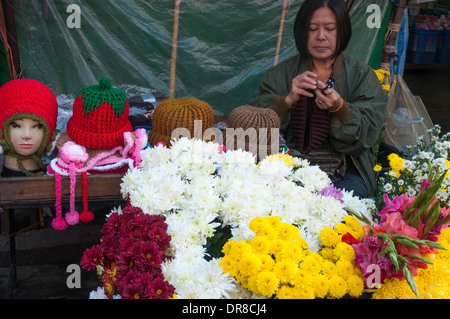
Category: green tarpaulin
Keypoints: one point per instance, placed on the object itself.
(223, 49)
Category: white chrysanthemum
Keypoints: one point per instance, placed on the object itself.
(242, 233)
(307, 232)
(151, 157)
(273, 171)
(215, 282)
(311, 177)
(365, 206)
(98, 294)
(332, 211)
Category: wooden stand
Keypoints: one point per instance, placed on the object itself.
(24, 192)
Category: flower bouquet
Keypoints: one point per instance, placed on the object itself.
(429, 156)
(129, 257)
(277, 263)
(396, 246)
(201, 190)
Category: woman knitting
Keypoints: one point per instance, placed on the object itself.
(326, 100)
(28, 115)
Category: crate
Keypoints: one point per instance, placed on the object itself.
(422, 46)
(443, 48)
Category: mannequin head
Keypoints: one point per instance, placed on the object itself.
(28, 114)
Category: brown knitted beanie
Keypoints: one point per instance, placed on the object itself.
(256, 128)
(171, 114)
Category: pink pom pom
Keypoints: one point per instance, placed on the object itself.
(72, 218)
(59, 223)
(86, 216)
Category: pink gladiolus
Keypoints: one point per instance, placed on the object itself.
(398, 204)
(394, 224)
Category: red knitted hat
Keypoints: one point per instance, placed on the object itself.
(100, 117)
(27, 98)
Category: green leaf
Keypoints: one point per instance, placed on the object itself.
(406, 242)
(421, 258)
(410, 279)
(393, 257)
(435, 212)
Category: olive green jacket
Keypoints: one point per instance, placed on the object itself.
(355, 127)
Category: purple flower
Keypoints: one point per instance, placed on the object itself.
(425, 184)
(331, 191)
(371, 242)
(384, 263)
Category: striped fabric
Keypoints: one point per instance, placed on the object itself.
(310, 126)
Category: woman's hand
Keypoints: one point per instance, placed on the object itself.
(327, 98)
(302, 84)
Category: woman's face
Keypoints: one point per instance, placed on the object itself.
(322, 37)
(26, 136)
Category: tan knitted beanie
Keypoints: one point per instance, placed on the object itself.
(171, 114)
(255, 129)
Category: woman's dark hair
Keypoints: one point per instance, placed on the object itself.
(301, 25)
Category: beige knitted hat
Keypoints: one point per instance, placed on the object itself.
(171, 114)
(254, 129)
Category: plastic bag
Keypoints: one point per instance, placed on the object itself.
(406, 117)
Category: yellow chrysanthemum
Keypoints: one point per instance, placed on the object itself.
(288, 160)
(311, 265)
(352, 222)
(251, 284)
(239, 248)
(302, 243)
(285, 292)
(329, 237)
(267, 262)
(303, 278)
(277, 246)
(393, 288)
(228, 265)
(273, 221)
(227, 246)
(320, 285)
(342, 229)
(344, 251)
(268, 232)
(344, 268)
(304, 292)
(287, 232)
(258, 223)
(286, 271)
(315, 255)
(377, 168)
(338, 287)
(241, 277)
(327, 253)
(261, 244)
(267, 283)
(290, 251)
(329, 268)
(249, 264)
(355, 286)
(396, 162)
